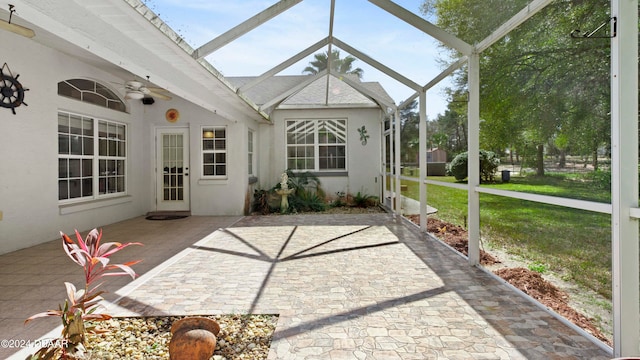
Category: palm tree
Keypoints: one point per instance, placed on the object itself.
(341, 66)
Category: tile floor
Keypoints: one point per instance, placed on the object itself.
(345, 286)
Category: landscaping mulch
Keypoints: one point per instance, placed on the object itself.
(528, 281)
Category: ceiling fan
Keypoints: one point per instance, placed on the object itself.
(137, 90)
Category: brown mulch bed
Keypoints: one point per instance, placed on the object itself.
(454, 236)
(528, 281)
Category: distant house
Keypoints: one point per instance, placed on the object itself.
(92, 145)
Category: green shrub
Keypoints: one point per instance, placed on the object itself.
(261, 201)
(489, 163)
(364, 200)
(600, 179)
(305, 200)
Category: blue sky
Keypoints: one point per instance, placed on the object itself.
(359, 23)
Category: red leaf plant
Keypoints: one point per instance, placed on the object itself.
(80, 310)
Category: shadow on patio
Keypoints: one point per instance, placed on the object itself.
(345, 287)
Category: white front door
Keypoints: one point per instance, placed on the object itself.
(172, 169)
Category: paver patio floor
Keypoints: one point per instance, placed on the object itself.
(345, 287)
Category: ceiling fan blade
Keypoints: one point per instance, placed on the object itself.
(159, 95)
(17, 29)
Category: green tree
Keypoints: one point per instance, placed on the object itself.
(341, 66)
(409, 132)
(537, 82)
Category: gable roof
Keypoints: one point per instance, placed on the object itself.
(315, 94)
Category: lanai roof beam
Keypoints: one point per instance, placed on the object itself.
(248, 25)
(423, 25)
(523, 15)
(285, 64)
(369, 60)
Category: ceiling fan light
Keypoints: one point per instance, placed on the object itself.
(134, 84)
(134, 95)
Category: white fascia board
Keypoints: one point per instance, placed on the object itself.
(244, 28)
(293, 90)
(423, 25)
(523, 15)
(284, 65)
(369, 60)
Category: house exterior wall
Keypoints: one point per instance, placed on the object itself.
(363, 161)
(224, 196)
(31, 212)
(29, 148)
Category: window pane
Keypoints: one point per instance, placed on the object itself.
(63, 144)
(220, 158)
(63, 123)
(220, 144)
(208, 170)
(76, 145)
(122, 149)
(87, 187)
(87, 127)
(91, 92)
(63, 169)
(74, 168)
(103, 147)
(75, 124)
(120, 184)
(221, 170)
(113, 148)
(88, 145)
(87, 167)
(63, 190)
(75, 189)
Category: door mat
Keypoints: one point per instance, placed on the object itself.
(166, 216)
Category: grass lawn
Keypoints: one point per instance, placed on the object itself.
(575, 244)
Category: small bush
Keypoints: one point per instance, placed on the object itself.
(261, 202)
(339, 201)
(600, 179)
(489, 163)
(305, 200)
(364, 200)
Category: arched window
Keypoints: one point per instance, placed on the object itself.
(91, 92)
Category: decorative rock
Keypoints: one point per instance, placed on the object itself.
(193, 338)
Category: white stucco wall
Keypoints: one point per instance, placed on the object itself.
(208, 196)
(29, 148)
(363, 161)
(31, 212)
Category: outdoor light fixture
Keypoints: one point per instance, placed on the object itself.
(134, 95)
(16, 29)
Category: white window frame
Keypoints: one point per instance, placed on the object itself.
(211, 143)
(304, 140)
(251, 155)
(116, 142)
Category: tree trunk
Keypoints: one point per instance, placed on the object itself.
(563, 159)
(540, 160)
(595, 159)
